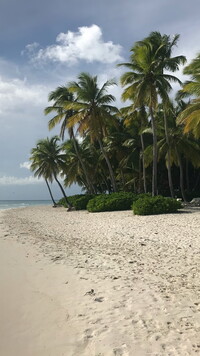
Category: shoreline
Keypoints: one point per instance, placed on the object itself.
(16, 204)
(123, 284)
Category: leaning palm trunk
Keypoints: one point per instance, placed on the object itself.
(62, 190)
(155, 154)
(143, 164)
(51, 195)
(169, 172)
(112, 178)
(89, 183)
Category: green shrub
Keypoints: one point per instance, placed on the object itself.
(111, 202)
(142, 196)
(78, 201)
(155, 205)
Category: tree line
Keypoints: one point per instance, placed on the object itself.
(150, 145)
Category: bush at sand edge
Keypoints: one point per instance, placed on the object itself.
(111, 202)
(79, 201)
(155, 205)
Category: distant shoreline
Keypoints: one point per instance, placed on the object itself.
(12, 204)
(25, 200)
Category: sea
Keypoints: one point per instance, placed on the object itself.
(10, 204)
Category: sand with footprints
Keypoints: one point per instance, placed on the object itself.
(99, 284)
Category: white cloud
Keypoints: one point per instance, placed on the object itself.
(25, 165)
(9, 180)
(86, 44)
(30, 49)
(17, 94)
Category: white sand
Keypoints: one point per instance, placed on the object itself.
(145, 273)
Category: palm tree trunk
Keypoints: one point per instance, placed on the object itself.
(169, 172)
(143, 164)
(51, 195)
(62, 190)
(187, 176)
(134, 187)
(181, 176)
(106, 183)
(89, 183)
(112, 177)
(123, 179)
(140, 174)
(197, 181)
(155, 154)
(84, 183)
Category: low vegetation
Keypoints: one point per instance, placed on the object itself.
(142, 204)
(111, 202)
(79, 201)
(155, 205)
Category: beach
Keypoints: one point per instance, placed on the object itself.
(99, 284)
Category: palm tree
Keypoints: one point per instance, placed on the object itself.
(93, 112)
(39, 171)
(165, 115)
(190, 117)
(139, 116)
(61, 97)
(116, 152)
(74, 168)
(146, 81)
(48, 161)
(182, 147)
(179, 148)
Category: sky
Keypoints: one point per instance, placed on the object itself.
(45, 44)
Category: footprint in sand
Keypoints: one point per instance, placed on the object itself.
(88, 334)
(100, 299)
(134, 321)
(103, 330)
(121, 351)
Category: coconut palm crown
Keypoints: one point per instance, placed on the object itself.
(146, 81)
(190, 117)
(93, 110)
(94, 114)
(48, 161)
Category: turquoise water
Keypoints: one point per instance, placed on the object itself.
(10, 204)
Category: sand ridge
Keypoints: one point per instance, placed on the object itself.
(133, 286)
